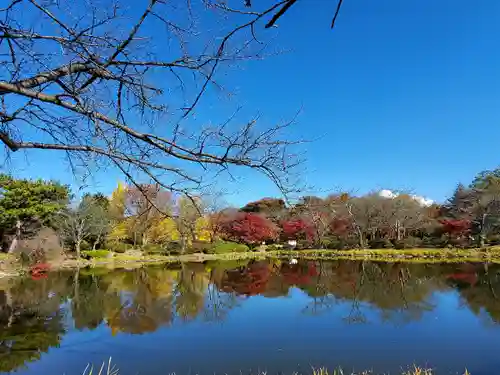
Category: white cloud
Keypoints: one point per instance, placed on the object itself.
(421, 200)
(387, 194)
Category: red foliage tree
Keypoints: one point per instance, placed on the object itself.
(456, 228)
(297, 229)
(249, 228)
(341, 227)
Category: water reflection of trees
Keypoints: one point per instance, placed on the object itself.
(32, 313)
(31, 321)
(479, 287)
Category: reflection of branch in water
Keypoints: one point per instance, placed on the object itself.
(218, 304)
(320, 305)
(355, 315)
(487, 275)
(322, 300)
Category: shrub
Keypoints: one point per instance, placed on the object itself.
(434, 242)
(85, 246)
(350, 242)
(173, 248)
(43, 245)
(461, 243)
(380, 243)
(223, 247)
(408, 243)
(274, 247)
(494, 240)
(97, 254)
(200, 247)
(117, 247)
(154, 249)
(333, 244)
(303, 244)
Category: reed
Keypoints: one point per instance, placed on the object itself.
(107, 368)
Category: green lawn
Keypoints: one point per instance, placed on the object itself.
(4, 256)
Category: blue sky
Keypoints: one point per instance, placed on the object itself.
(400, 95)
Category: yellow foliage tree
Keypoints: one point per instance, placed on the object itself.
(120, 231)
(202, 229)
(164, 230)
(117, 202)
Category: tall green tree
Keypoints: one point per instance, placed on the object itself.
(101, 218)
(25, 202)
(486, 204)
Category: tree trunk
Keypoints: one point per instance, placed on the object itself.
(482, 234)
(361, 239)
(17, 237)
(78, 244)
(183, 244)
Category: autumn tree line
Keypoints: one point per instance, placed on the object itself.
(32, 213)
(147, 217)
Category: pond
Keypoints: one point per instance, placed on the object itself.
(244, 317)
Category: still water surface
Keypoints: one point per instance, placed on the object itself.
(238, 318)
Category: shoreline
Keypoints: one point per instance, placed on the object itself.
(490, 255)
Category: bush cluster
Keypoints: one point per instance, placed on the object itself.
(96, 254)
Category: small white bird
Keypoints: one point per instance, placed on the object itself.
(294, 261)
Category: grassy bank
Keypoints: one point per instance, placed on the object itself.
(10, 267)
(490, 254)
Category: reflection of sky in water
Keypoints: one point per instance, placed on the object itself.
(292, 333)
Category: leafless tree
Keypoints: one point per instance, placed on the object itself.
(87, 220)
(124, 83)
(319, 213)
(405, 215)
(365, 213)
(145, 206)
(188, 212)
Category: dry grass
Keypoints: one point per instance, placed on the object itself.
(107, 368)
(415, 371)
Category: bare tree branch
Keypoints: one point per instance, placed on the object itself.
(100, 83)
(336, 13)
